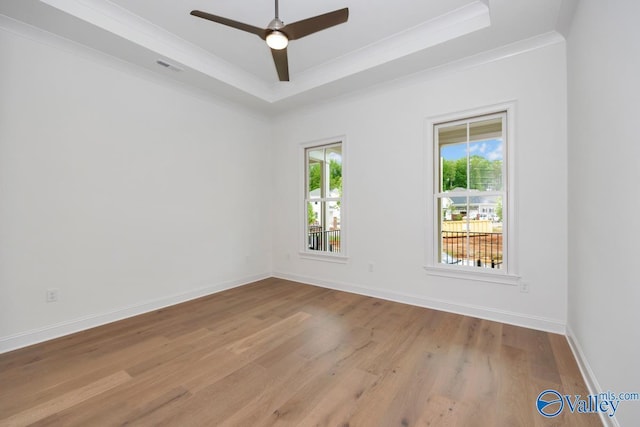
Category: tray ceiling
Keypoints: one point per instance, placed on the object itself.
(381, 41)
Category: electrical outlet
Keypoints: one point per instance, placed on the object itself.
(52, 294)
(370, 267)
(524, 287)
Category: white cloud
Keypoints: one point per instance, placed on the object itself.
(495, 154)
(478, 148)
(490, 150)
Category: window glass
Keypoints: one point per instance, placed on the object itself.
(470, 192)
(324, 198)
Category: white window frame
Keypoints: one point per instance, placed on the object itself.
(304, 251)
(508, 275)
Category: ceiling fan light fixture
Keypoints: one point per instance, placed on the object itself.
(277, 34)
(277, 40)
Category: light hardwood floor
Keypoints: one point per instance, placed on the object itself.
(282, 353)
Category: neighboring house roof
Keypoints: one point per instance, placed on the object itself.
(473, 200)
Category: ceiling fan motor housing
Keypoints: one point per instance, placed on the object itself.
(275, 24)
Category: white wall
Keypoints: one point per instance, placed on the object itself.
(123, 191)
(128, 193)
(604, 148)
(386, 193)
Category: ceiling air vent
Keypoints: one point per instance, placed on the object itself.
(168, 65)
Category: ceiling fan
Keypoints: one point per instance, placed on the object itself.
(277, 34)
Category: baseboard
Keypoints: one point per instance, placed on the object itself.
(512, 318)
(587, 373)
(24, 339)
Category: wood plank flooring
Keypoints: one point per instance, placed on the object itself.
(280, 353)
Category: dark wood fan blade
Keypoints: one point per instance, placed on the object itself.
(282, 63)
(260, 32)
(303, 28)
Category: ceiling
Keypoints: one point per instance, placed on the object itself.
(382, 40)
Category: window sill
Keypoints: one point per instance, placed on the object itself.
(500, 278)
(323, 256)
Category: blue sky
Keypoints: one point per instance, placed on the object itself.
(490, 149)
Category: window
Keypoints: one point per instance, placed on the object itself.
(323, 199)
(471, 199)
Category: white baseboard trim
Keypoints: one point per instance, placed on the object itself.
(512, 318)
(587, 373)
(34, 336)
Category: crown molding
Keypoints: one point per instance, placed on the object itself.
(119, 21)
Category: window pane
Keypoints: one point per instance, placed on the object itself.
(315, 237)
(313, 213)
(314, 225)
(453, 158)
(485, 165)
(324, 198)
(451, 229)
(323, 238)
(471, 231)
(315, 161)
(333, 226)
(456, 207)
(334, 157)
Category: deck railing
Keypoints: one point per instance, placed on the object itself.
(477, 249)
(324, 240)
(458, 247)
